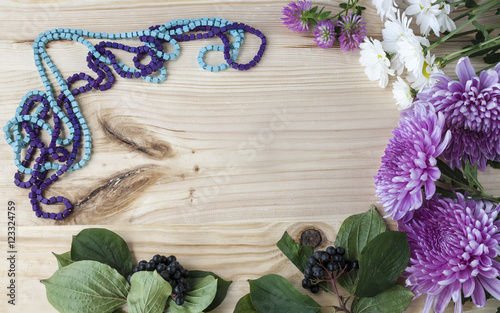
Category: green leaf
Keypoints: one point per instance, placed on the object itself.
(448, 175)
(498, 309)
(245, 305)
(63, 259)
(393, 300)
(349, 281)
(343, 5)
(446, 193)
(119, 311)
(148, 293)
(198, 299)
(295, 252)
(86, 286)
(494, 164)
(102, 245)
(357, 230)
(323, 16)
(470, 4)
(470, 173)
(381, 262)
(222, 287)
(492, 58)
(273, 293)
(313, 10)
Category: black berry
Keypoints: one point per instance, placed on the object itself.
(308, 272)
(306, 283)
(324, 257)
(332, 267)
(156, 258)
(331, 250)
(340, 250)
(314, 288)
(179, 300)
(318, 271)
(312, 261)
(171, 259)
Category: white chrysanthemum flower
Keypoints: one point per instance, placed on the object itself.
(385, 8)
(395, 28)
(397, 64)
(402, 93)
(426, 15)
(423, 78)
(444, 20)
(374, 58)
(411, 52)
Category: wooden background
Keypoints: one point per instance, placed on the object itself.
(212, 167)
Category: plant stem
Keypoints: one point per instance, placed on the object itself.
(488, 6)
(472, 31)
(487, 45)
(473, 10)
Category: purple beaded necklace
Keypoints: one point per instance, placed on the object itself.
(57, 155)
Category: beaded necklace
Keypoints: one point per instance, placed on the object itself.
(58, 155)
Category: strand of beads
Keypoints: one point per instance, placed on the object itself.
(36, 109)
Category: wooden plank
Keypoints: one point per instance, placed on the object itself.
(212, 167)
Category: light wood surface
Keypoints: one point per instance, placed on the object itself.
(212, 167)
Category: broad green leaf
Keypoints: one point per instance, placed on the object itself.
(393, 300)
(273, 293)
(245, 305)
(445, 193)
(498, 309)
(222, 286)
(63, 259)
(202, 293)
(470, 4)
(295, 252)
(148, 293)
(86, 286)
(381, 262)
(102, 245)
(349, 280)
(357, 230)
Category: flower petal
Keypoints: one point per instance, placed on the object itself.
(465, 71)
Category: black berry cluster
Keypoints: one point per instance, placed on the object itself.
(322, 266)
(171, 270)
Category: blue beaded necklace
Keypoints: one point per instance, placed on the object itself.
(60, 155)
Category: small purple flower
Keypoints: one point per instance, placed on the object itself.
(295, 16)
(453, 246)
(471, 107)
(352, 32)
(324, 34)
(410, 162)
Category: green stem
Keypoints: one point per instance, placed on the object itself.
(487, 45)
(472, 31)
(488, 6)
(472, 191)
(474, 10)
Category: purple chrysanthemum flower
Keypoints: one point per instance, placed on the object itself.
(453, 244)
(352, 32)
(410, 162)
(324, 34)
(472, 110)
(295, 18)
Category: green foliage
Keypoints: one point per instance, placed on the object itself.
(86, 286)
(148, 293)
(273, 293)
(295, 252)
(102, 245)
(381, 262)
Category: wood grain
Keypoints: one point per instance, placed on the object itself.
(212, 167)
